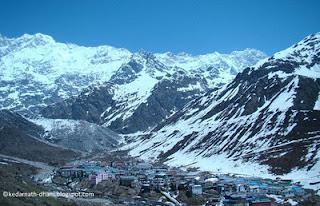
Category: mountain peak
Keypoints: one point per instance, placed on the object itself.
(37, 38)
(144, 54)
(308, 47)
(301, 58)
(249, 51)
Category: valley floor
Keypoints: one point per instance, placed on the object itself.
(118, 179)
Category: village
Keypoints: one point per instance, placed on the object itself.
(130, 181)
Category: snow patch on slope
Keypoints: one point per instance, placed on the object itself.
(317, 104)
(78, 134)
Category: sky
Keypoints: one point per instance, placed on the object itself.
(192, 26)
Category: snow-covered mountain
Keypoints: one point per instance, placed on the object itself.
(107, 85)
(217, 68)
(139, 95)
(265, 122)
(239, 112)
(35, 70)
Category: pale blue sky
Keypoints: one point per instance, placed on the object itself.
(193, 26)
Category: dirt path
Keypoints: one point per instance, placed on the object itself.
(39, 165)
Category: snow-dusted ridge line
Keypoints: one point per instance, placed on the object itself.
(180, 55)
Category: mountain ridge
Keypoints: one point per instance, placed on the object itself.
(37, 71)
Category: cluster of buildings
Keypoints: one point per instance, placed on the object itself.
(255, 191)
(216, 189)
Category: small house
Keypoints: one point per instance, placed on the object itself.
(93, 179)
(143, 166)
(293, 191)
(196, 189)
(118, 164)
(241, 188)
(260, 202)
(235, 201)
(128, 181)
(159, 183)
(145, 188)
(71, 172)
(182, 185)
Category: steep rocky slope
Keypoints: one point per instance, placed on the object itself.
(78, 135)
(20, 138)
(266, 121)
(140, 94)
(32, 138)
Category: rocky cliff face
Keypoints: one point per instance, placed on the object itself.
(268, 115)
(139, 95)
(167, 97)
